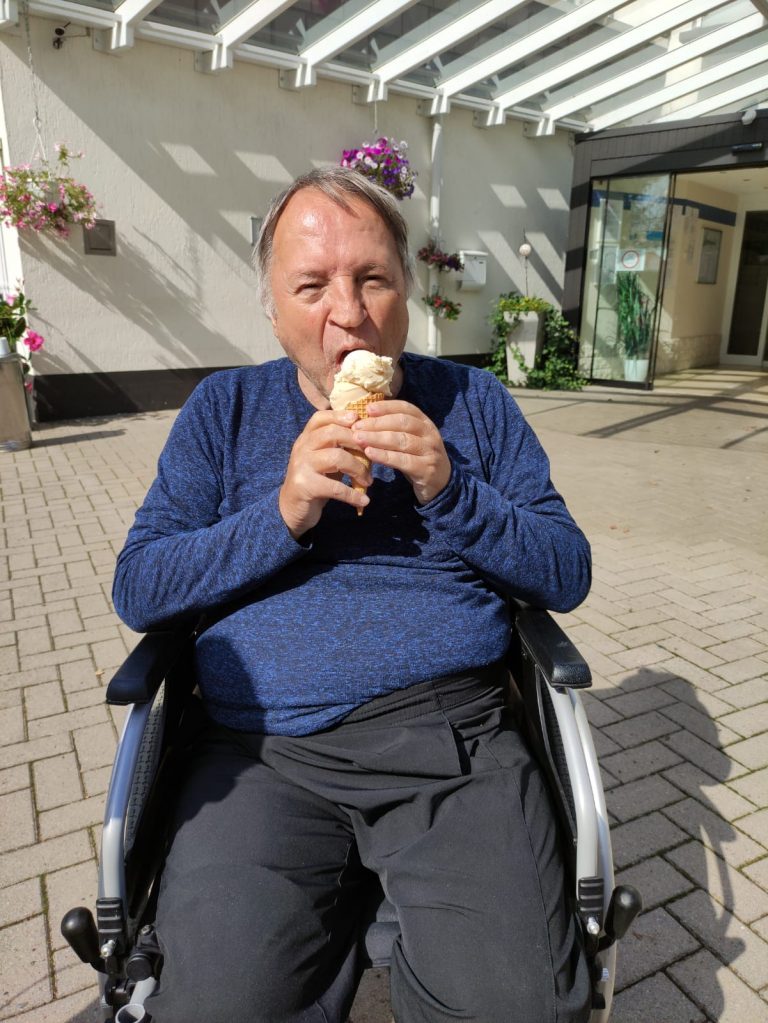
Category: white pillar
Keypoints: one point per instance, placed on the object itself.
(433, 333)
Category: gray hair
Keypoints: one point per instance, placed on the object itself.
(340, 184)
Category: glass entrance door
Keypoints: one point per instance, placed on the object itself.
(626, 252)
(746, 340)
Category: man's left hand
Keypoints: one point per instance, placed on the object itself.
(397, 434)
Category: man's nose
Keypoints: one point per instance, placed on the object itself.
(347, 306)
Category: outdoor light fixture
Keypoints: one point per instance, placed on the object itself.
(60, 34)
(748, 116)
(524, 252)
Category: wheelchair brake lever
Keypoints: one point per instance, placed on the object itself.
(79, 929)
(624, 906)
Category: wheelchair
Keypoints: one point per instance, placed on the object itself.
(157, 681)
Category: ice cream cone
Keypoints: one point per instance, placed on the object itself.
(359, 407)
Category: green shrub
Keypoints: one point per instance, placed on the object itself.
(556, 366)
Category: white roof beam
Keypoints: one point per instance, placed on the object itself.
(77, 13)
(9, 13)
(435, 42)
(688, 85)
(255, 16)
(590, 59)
(739, 93)
(121, 36)
(345, 34)
(528, 43)
(713, 40)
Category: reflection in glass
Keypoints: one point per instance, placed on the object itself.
(103, 5)
(625, 259)
(201, 15)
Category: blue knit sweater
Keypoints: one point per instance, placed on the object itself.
(304, 632)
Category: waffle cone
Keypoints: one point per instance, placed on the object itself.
(360, 406)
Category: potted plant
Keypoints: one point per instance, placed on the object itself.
(383, 161)
(18, 338)
(436, 259)
(442, 306)
(524, 316)
(634, 311)
(45, 198)
(555, 367)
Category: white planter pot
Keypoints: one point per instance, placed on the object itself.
(527, 335)
(636, 370)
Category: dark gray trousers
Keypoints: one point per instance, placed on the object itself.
(433, 790)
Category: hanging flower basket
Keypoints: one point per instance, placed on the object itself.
(439, 260)
(384, 162)
(14, 326)
(45, 198)
(443, 307)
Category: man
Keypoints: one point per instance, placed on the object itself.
(352, 667)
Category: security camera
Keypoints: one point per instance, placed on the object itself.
(58, 36)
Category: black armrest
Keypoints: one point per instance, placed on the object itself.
(558, 659)
(140, 675)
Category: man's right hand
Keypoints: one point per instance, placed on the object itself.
(319, 459)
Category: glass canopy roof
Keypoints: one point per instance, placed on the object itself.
(581, 64)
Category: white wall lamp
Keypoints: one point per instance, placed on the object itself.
(748, 116)
(524, 252)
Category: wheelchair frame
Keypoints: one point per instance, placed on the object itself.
(157, 679)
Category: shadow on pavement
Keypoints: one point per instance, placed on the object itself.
(41, 441)
(672, 844)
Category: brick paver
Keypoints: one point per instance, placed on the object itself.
(672, 490)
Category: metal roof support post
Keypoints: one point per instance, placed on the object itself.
(435, 188)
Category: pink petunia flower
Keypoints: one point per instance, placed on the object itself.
(34, 341)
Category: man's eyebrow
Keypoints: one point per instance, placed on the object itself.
(300, 275)
(378, 267)
(305, 275)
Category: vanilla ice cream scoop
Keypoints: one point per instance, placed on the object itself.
(362, 373)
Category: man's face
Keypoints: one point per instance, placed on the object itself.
(337, 285)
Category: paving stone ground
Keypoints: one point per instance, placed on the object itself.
(672, 489)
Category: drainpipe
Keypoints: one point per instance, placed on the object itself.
(433, 334)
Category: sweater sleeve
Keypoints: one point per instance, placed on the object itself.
(181, 557)
(513, 528)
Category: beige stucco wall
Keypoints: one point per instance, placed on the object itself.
(181, 161)
(691, 321)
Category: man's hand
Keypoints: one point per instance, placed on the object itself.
(318, 461)
(401, 436)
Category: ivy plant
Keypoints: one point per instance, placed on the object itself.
(556, 366)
